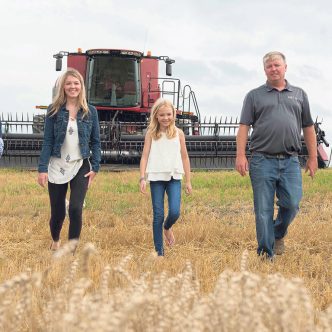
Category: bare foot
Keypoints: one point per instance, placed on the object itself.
(170, 240)
(55, 245)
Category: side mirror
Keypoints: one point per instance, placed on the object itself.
(168, 62)
(58, 57)
(168, 69)
(58, 64)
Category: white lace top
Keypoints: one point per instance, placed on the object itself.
(62, 170)
(165, 159)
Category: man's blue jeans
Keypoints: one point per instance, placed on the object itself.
(270, 176)
(158, 189)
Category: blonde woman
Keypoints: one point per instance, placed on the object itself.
(71, 131)
(163, 163)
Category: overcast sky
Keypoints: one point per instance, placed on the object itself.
(217, 44)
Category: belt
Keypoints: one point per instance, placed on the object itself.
(275, 155)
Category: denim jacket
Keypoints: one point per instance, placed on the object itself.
(55, 132)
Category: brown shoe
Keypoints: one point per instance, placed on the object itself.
(279, 246)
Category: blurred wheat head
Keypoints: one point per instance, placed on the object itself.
(240, 301)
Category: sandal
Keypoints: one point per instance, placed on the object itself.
(170, 240)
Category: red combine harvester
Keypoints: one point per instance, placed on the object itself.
(123, 85)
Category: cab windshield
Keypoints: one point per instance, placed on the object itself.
(113, 81)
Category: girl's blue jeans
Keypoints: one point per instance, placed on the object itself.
(270, 177)
(173, 191)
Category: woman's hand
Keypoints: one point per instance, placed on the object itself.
(42, 179)
(91, 176)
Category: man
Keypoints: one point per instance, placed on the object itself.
(277, 111)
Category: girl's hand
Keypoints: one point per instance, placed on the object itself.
(42, 179)
(91, 176)
(142, 186)
(189, 188)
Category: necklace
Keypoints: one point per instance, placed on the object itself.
(72, 114)
(72, 109)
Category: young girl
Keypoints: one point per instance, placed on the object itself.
(71, 130)
(164, 161)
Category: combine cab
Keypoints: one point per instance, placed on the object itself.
(123, 85)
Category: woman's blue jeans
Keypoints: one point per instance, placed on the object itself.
(269, 177)
(173, 191)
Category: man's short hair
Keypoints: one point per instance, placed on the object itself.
(273, 55)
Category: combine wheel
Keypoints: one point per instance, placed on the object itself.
(321, 163)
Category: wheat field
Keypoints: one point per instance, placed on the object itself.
(211, 280)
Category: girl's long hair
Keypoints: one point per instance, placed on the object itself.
(154, 127)
(60, 97)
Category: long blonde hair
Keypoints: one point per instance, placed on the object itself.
(60, 97)
(154, 126)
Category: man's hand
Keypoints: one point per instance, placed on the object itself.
(311, 143)
(241, 164)
(311, 166)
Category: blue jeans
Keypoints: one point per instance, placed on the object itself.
(158, 189)
(270, 176)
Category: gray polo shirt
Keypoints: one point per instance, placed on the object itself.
(277, 118)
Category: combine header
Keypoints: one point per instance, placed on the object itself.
(123, 85)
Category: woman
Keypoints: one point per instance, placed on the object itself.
(71, 130)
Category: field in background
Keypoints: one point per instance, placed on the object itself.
(211, 276)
